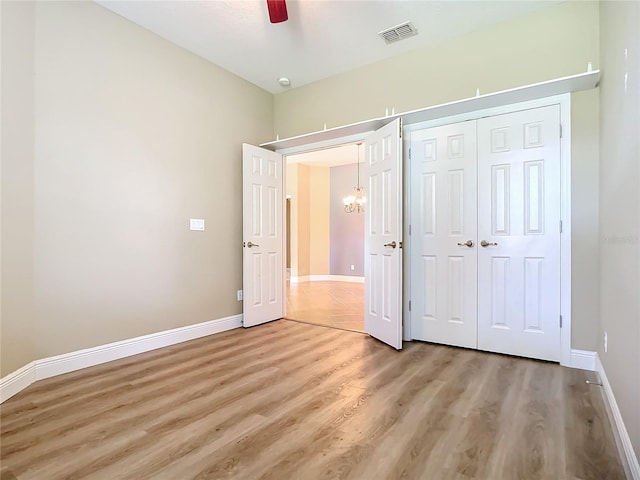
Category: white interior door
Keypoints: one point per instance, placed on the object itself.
(383, 236)
(262, 230)
(519, 223)
(444, 234)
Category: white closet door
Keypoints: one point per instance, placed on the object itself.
(443, 235)
(519, 221)
(383, 236)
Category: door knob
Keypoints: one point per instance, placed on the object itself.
(391, 244)
(484, 243)
(251, 244)
(468, 243)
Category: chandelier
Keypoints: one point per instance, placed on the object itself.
(355, 203)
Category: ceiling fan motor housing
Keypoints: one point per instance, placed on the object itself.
(277, 11)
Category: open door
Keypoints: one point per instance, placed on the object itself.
(262, 234)
(383, 236)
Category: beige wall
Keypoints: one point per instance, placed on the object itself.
(551, 43)
(309, 190)
(292, 190)
(16, 157)
(303, 221)
(507, 55)
(319, 225)
(585, 266)
(133, 136)
(620, 207)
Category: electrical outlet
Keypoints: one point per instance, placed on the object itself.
(353, 267)
(240, 295)
(606, 342)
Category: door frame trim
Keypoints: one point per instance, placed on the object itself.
(564, 101)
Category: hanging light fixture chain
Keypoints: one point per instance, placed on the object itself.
(355, 203)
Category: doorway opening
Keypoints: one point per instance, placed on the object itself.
(324, 242)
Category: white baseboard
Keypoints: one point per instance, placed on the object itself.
(17, 381)
(299, 279)
(618, 425)
(327, 278)
(345, 278)
(69, 362)
(583, 359)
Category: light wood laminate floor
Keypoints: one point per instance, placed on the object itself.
(333, 304)
(289, 400)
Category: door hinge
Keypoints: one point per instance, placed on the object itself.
(560, 226)
(409, 229)
(560, 321)
(409, 305)
(400, 128)
(560, 130)
(409, 154)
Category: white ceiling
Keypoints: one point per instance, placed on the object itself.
(329, 157)
(321, 38)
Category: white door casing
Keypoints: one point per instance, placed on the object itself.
(383, 235)
(444, 234)
(263, 235)
(519, 217)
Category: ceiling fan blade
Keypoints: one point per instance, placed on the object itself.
(277, 11)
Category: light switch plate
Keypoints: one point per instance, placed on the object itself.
(196, 224)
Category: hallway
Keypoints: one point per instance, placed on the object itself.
(332, 304)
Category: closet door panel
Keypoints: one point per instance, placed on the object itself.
(443, 220)
(518, 219)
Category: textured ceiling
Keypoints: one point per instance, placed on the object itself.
(321, 38)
